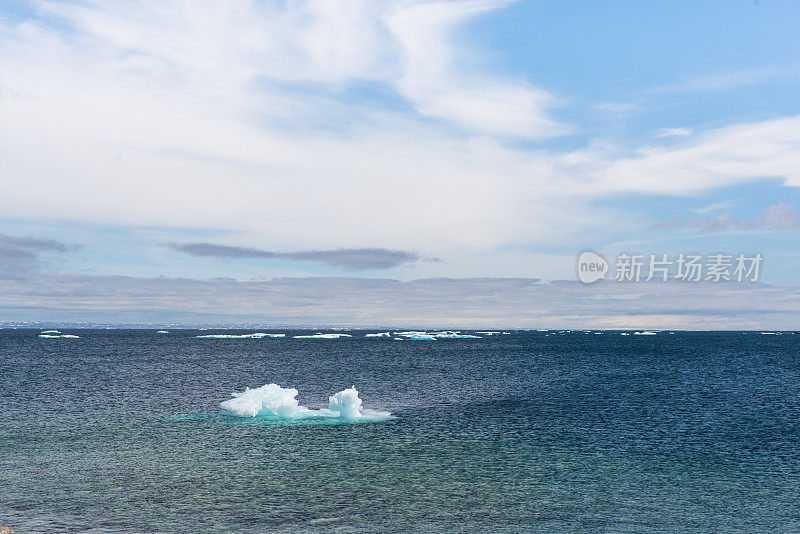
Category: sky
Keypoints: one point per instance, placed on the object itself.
(396, 162)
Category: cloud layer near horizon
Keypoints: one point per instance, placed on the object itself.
(469, 302)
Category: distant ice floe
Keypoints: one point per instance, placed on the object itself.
(645, 333)
(274, 402)
(419, 335)
(59, 335)
(493, 333)
(256, 335)
(770, 333)
(163, 332)
(323, 336)
(50, 332)
(380, 334)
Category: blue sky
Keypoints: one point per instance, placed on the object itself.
(449, 139)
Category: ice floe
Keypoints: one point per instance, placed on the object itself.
(275, 402)
(323, 336)
(256, 335)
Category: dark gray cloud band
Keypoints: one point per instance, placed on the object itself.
(18, 255)
(354, 259)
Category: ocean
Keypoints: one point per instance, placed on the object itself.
(122, 431)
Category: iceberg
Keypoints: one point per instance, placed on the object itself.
(275, 402)
(162, 332)
(269, 400)
(346, 403)
(381, 334)
(58, 336)
(645, 333)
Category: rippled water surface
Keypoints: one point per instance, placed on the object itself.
(121, 431)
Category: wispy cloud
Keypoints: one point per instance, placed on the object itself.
(719, 157)
(673, 132)
(776, 218)
(430, 79)
(723, 81)
(355, 259)
(716, 206)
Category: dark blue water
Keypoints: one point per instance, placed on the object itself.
(120, 431)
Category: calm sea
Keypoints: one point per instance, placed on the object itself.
(121, 431)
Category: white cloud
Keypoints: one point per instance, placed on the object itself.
(240, 115)
(165, 113)
(673, 132)
(431, 77)
(716, 206)
(723, 81)
(717, 158)
(175, 114)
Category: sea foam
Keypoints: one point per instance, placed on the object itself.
(273, 401)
